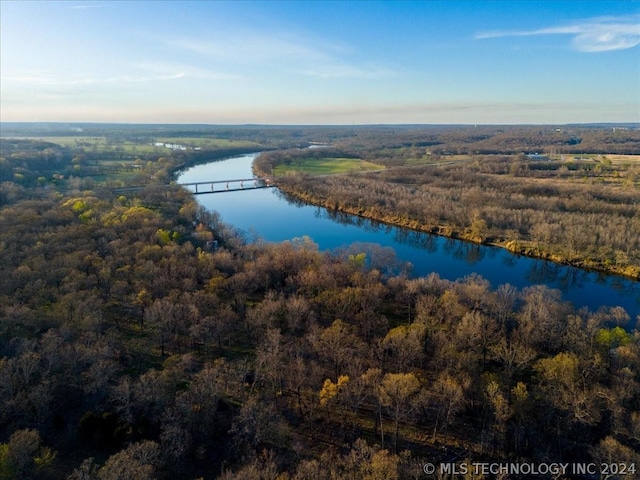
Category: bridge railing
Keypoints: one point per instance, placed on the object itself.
(228, 185)
(233, 185)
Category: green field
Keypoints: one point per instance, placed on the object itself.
(324, 166)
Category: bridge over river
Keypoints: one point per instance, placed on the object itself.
(213, 186)
(219, 186)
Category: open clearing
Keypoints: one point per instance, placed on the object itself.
(324, 166)
(624, 158)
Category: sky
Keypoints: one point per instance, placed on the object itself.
(326, 62)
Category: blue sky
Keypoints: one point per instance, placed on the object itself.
(328, 62)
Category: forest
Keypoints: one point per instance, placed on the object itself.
(133, 346)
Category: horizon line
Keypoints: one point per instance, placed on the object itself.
(315, 124)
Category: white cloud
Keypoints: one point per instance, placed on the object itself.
(246, 46)
(48, 79)
(342, 71)
(168, 69)
(593, 35)
(142, 72)
(83, 7)
(287, 52)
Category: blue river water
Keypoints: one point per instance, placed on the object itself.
(267, 214)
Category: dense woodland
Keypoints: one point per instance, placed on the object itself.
(130, 347)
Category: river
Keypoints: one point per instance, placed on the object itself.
(267, 214)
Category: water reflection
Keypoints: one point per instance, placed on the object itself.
(510, 260)
(423, 241)
(542, 271)
(563, 277)
(469, 252)
(571, 277)
(343, 218)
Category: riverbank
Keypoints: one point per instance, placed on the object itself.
(518, 247)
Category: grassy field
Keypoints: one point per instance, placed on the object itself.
(324, 166)
(630, 159)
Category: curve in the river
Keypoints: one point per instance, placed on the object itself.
(270, 215)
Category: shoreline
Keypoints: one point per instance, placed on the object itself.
(517, 247)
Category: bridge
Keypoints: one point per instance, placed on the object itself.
(219, 186)
(213, 186)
